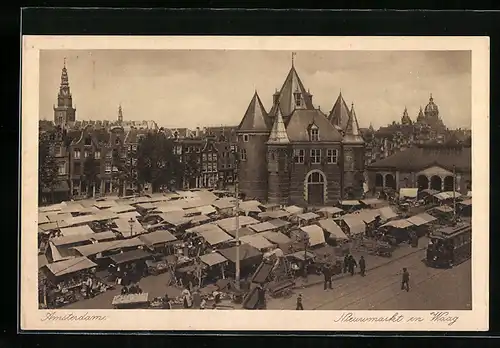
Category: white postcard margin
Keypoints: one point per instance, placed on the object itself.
(31, 318)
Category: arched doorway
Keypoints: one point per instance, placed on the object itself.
(422, 182)
(390, 182)
(436, 183)
(315, 186)
(448, 183)
(379, 180)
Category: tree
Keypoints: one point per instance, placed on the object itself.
(47, 165)
(191, 168)
(90, 173)
(156, 162)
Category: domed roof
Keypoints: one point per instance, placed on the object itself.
(431, 107)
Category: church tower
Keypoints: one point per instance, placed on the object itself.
(278, 160)
(353, 154)
(64, 112)
(405, 119)
(120, 115)
(253, 134)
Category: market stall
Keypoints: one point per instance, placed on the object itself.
(213, 267)
(387, 213)
(335, 234)
(131, 301)
(159, 241)
(465, 207)
(396, 231)
(263, 227)
(258, 242)
(130, 266)
(329, 212)
(421, 223)
(250, 258)
(307, 218)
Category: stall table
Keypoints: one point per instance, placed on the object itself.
(131, 301)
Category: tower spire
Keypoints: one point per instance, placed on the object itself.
(293, 58)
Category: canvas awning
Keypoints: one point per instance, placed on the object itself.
(302, 255)
(262, 227)
(212, 259)
(224, 203)
(244, 231)
(175, 218)
(421, 219)
(308, 216)
(78, 230)
(58, 216)
(85, 219)
(246, 252)
(408, 193)
(70, 266)
(215, 235)
(355, 223)
(467, 202)
(387, 213)
(331, 210)
(122, 208)
(42, 218)
(293, 209)
(315, 234)
(157, 237)
(444, 209)
(372, 201)
(103, 236)
(403, 223)
(276, 237)
(124, 227)
(430, 192)
(250, 206)
(129, 256)
(199, 219)
(349, 203)
(368, 215)
(206, 209)
(105, 204)
(72, 239)
(229, 224)
(257, 241)
(72, 207)
(278, 223)
(275, 214)
(128, 215)
(330, 226)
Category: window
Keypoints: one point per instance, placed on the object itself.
(61, 168)
(223, 166)
(88, 140)
(109, 154)
(315, 156)
(115, 169)
(299, 156)
(107, 168)
(243, 154)
(76, 154)
(198, 150)
(332, 155)
(58, 151)
(178, 150)
(314, 134)
(214, 156)
(209, 156)
(97, 155)
(86, 153)
(205, 167)
(245, 138)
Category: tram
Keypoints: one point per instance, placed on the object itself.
(449, 246)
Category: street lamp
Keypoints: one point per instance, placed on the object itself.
(306, 244)
(131, 224)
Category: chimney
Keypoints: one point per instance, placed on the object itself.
(197, 132)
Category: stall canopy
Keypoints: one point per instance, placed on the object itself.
(355, 223)
(129, 256)
(469, 193)
(368, 215)
(224, 203)
(466, 202)
(105, 204)
(123, 226)
(430, 192)
(315, 234)
(175, 218)
(246, 252)
(276, 237)
(59, 253)
(331, 210)
(66, 267)
(278, 223)
(262, 227)
(57, 216)
(421, 219)
(169, 207)
(257, 241)
(72, 207)
(197, 219)
(51, 226)
(146, 205)
(349, 203)
(212, 259)
(229, 224)
(244, 231)
(85, 219)
(447, 195)
(308, 216)
(387, 213)
(73, 231)
(274, 214)
(302, 255)
(42, 218)
(372, 202)
(72, 239)
(408, 193)
(93, 249)
(53, 207)
(206, 209)
(215, 235)
(293, 209)
(157, 237)
(444, 209)
(250, 206)
(200, 228)
(403, 223)
(331, 227)
(122, 208)
(128, 215)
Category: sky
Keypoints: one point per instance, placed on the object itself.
(190, 88)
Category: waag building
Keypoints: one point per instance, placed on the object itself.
(296, 154)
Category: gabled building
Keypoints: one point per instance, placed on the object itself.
(295, 154)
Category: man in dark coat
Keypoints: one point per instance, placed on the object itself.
(261, 293)
(299, 307)
(352, 264)
(362, 266)
(405, 281)
(327, 273)
(346, 263)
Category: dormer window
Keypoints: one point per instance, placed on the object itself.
(88, 140)
(298, 99)
(313, 133)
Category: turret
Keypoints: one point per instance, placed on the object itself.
(64, 112)
(354, 161)
(253, 134)
(405, 119)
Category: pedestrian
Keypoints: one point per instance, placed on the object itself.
(261, 293)
(327, 273)
(299, 303)
(346, 263)
(352, 264)
(362, 266)
(405, 282)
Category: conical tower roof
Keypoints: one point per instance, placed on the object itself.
(255, 119)
(278, 132)
(352, 132)
(286, 101)
(405, 119)
(339, 116)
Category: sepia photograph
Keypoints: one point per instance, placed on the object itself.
(278, 180)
